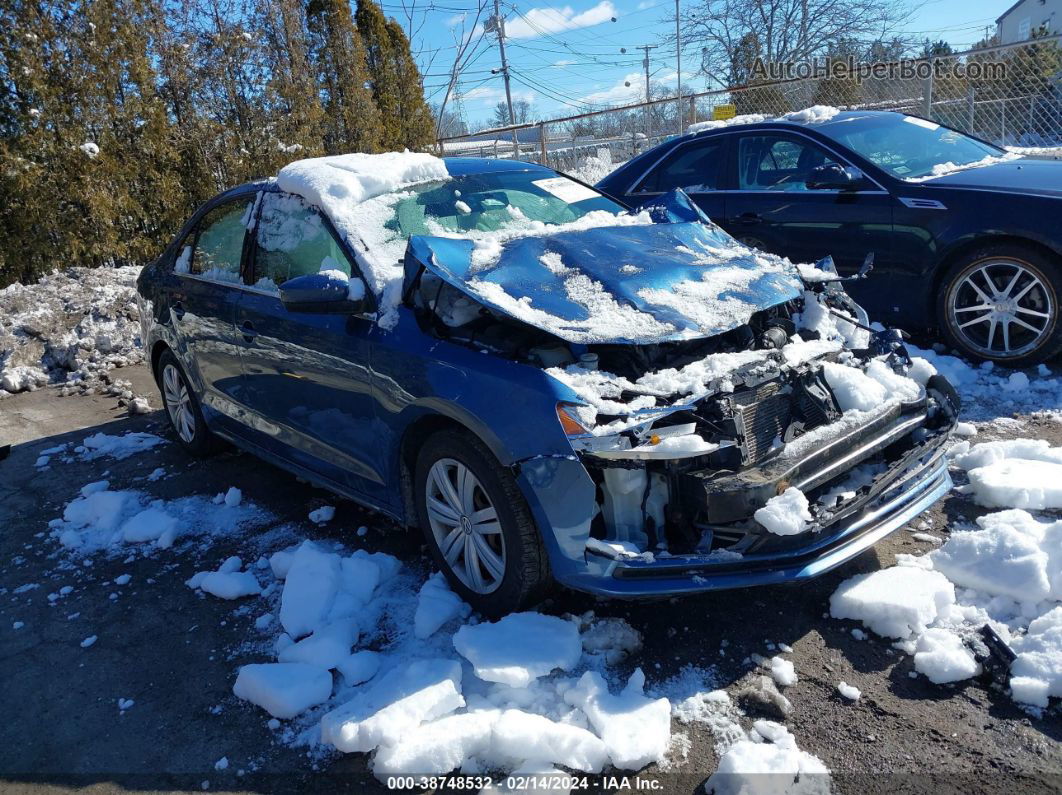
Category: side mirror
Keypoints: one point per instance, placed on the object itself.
(324, 294)
(834, 177)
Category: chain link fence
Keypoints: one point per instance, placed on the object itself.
(1010, 95)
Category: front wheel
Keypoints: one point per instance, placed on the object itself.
(1001, 303)
(478, 526)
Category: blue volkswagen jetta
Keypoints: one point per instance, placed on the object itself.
(965, 234)
(554, 389)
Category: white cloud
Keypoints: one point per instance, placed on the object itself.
(562, 63)
(553, 20)
(647, 4)
(456, 20)
(620, 94)
(490, 95)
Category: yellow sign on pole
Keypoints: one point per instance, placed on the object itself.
(723, 112)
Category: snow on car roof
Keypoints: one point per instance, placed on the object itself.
(816, 114)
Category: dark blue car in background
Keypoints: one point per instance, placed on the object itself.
(552, 389)
(966, 236)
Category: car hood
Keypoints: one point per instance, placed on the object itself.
(645, 283)
(1041, 177)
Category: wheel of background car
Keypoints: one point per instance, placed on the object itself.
(182, 407)
(478, 526)
(1001, 303)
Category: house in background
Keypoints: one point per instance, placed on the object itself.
(1022, 19)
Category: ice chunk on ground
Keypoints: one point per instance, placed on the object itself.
(88, 641)
(230, 584)
(310, 588)
(436, 604)
(394, 704)
(782, 671)
(636, 730)
(895, 602)
(769, 767)
(280, 562)
(521, 735)
(283, 689)
(361, 666)
(785, 515)
(1017, 483)
(148, 525)
(439, 746)
(848, 691)
(942, 657)
(1004, 557)
(326, 647)
(520, 647)
(233, 497)
(1036, 674)
(323, 514)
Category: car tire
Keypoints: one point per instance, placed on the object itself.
(497, 565)
(182, 408)
(1019, 289)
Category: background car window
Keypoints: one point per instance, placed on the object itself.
(769, 162)
(291, 239)
(219, 243)
(695, 169)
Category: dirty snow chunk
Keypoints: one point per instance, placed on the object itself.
(326, 647)
(88, 641)
(848, 691)
(123, 579)
(361, 666)
(148, 525)
(858, 634)
(1017, 483)
(323, 514)
(1012, 555)
(965, 429)
(436, 604)
(782, 671)
(230, 584)
(520, 647)
(283, 689)
(612, 637)
(942, 657)
(636, 730)
(139, 405)
(394, 704)
(785, 515)
(119, 447)
(1036, 674)
(125, 703)
(759, 767)
(310, 588)
(233, 497)
(439, 746)
(222, 764)
(523, 735)
(895, 602)
(18, 625)
(90, 149)
(42, 461)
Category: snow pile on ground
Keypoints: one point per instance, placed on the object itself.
(594, 168)
(769, 761)
(785, 515)
(357, 191)
(71, 328)
(1005, 571)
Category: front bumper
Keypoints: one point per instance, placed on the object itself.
(911, 484)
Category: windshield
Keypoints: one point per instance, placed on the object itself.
(487, 202)
(909, 147)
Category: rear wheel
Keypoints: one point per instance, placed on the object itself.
(478, 526)
(182, 407)
(1002, 303)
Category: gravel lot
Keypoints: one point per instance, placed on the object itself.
(175, 653)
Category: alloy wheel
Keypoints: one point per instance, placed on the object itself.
(178, 403)
(465, 525)
(1001, 308)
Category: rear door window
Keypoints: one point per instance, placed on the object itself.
(214, 249)
(292, 239)
(696, 168)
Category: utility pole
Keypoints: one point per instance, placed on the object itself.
(497, 24)
(678, 65)
(648, 107)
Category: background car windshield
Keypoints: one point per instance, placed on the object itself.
(487, 202)
(907, 147)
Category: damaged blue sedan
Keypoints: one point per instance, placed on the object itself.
(554, 389)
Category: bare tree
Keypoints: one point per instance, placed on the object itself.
(467, 39)
(730, 33)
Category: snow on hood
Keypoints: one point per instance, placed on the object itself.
(944, 169)
(626, 283)
(345, 187)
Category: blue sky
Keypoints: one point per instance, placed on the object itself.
(567, 57)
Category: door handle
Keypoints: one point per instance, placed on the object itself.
(748, 219)
(178, 310)
(248, 331)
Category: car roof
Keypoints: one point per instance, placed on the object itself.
(842, 117)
